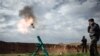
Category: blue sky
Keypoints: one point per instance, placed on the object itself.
(58, 21)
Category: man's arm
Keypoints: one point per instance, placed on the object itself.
(97, 29)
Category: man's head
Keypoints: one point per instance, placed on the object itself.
(91, 21)
(83, 37)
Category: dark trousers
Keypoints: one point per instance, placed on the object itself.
(93, 47)
(84, 48)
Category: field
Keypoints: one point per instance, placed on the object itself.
(79, 54)
(26, 49)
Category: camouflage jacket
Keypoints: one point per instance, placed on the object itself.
(94, 30)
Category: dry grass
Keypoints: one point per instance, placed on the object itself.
(79, 54)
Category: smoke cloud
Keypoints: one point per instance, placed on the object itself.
(27, 11)
(28, 19)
